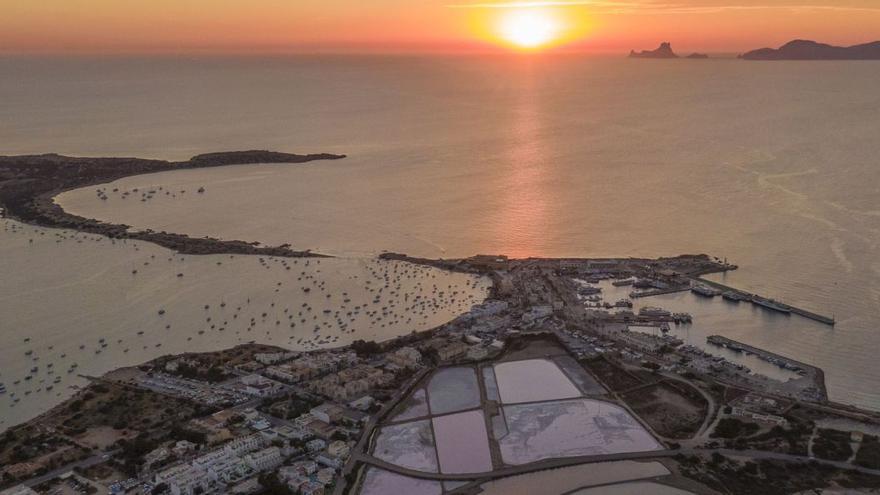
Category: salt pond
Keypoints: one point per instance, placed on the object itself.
(533, 380)
(453, 389)
(414, 406)
(571, 428)
(564, 480)
(462, 443)
(380, 482)
(633, 488)
(409, 445)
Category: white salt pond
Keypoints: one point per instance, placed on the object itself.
(462, 443)
(453, 389)
(571, 428)
(533, 380)
(62, 292)
(414, 406)
(409, 445)
(543, 416)
(380, 482)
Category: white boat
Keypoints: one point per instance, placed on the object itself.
(653, 311)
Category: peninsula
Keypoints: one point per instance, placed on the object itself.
(811, 50)
(28, 184)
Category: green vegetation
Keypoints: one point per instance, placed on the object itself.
(734, 428)
(833, 445)
(366, 347)
(272, 485)
(290, 407)
(869, 452)
(791, 440)
(768, 477)
(211, 374)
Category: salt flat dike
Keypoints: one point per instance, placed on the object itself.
(29, 182)
(811, 50)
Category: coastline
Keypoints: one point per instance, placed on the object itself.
(29, 183)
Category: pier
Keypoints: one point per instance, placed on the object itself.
(657, 292)
(812, 373)
(786, 308)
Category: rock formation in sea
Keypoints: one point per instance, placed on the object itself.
(811, 50)
(664, 51)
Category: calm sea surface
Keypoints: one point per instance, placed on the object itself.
(771, 165)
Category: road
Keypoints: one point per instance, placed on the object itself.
(592, 459)
(514, 470)
(85, 463)
(371, 425)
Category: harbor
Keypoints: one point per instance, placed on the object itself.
(812, 373)
(737, 295)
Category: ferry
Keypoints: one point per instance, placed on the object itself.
(588, 290)
(734, 296)
(704, 290)
(652, 311)
(682, 317)
(771, 304)
(622, 283)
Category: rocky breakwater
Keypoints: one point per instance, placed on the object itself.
(28, 184)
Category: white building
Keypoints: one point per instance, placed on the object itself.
(363, 403)
(327, 412)
(338, 449)
(264, 460)
(245, 444)
(260, 386)
(228, 470)
(183, 479)
(406, 357)
(316, 445)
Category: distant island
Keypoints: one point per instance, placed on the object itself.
(28, 184)
(664, 51)
(811, 50)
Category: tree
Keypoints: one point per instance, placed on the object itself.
(366, 348)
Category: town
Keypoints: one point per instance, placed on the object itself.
(354, 420)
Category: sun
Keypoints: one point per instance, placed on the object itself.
(529, 28)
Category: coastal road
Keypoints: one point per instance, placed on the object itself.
(514, 470)
(85, 463)
(593, 459)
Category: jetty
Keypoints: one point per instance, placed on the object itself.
(735, 294)
(812, 373)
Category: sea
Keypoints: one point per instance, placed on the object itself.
(769, 165)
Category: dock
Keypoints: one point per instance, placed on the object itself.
(785, 308)
(812, 373)
(657, 292)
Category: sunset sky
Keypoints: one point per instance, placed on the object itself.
(277, 26)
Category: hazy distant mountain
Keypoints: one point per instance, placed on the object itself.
(665, 51)
(811, 50)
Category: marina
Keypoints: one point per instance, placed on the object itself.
(816, 375)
